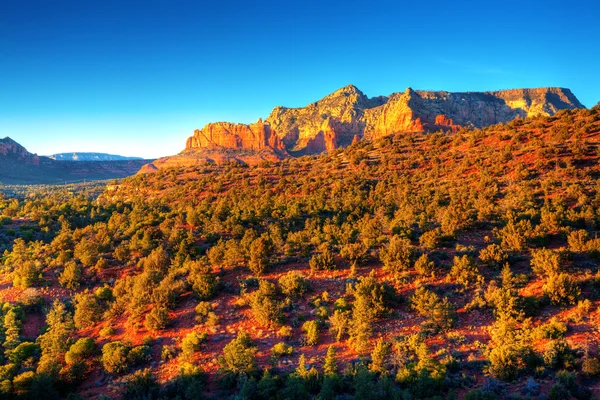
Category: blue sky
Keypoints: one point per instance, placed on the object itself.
(137, 77)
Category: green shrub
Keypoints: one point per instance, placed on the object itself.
(397, 255)
(281, 349)
(157, 319)
(25, 353)
(265, 307)
(191, 343)
(139, 355)
(424, 266)
(493, 256)
(81, 350)
(239, 355)
(322, 261)
(311, 330)
(71, 276)
(464, 271)
(141, 385)
(428, 304)
(561, 289)
(114, 357)
(545, 262)
(202, 279)
(293, 284)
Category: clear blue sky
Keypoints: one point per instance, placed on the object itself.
(137, 77)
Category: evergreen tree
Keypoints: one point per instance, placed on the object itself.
(330, 366)
(12, 331)
(55, 342)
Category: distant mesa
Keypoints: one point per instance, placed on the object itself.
(18, 166)
(91, 157)
(348, 115)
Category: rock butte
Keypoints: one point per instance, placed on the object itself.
(348, 115)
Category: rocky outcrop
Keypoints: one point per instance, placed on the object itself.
(256, 136)
(10, 148)
(348, 115)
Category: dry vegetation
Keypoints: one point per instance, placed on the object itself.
(438, 266)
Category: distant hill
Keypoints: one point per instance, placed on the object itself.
(91, 157)
(19, 166)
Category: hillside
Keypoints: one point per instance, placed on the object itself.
(417, 265)
(18, 166)
(79, 156)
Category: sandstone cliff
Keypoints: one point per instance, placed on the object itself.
(348, 115)
(256, 136)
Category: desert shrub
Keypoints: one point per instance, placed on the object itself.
(71, 276)
(322, 261)
(424, 266)
(554, 329)
(464, 271)
(157, 319)
(284, 332)
(25, 353)
(339, 323)
(260, 253)
(380, 296)
(379, 357)
(281, 349)
(493, 256)
(141, 385)
(311, 330)
(27, 274)
(578, 240)
(514, 235)
(191, 343)
(239, 355)
(545, 262)
(81, 350)
(205, 315)
(265, 307)
(396, 256)
(431, 239)
(188, 385)
(88, 310)
(139, 355)
(561, 289)
(293, 284)
(202, 279)
(114, 357)
(558, 354)
(438, 311)
(354, 252)
(107, 331)
(590, 366)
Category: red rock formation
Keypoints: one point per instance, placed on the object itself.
(256, 136)
(347, 115)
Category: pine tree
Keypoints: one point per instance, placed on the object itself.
(330, 366)
(55, 342)
(12, 328)
(378, 357)
(361, 324)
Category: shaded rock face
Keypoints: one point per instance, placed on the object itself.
(10, 148)
(348, 115)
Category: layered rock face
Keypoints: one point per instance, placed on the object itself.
(256, 136)
(348, 115)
